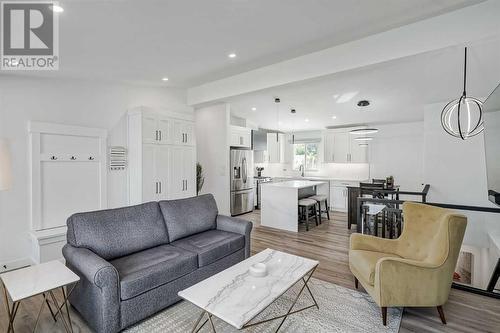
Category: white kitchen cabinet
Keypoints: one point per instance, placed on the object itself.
(341, 147)
(358, 154)
(183, 173)
(338, 198)
(161, 156)
(155, 166)
(328, 143)
(156, 129)
(276, 147)
(241, 137)
(183, 133)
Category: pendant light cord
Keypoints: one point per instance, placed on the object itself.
(465, 71)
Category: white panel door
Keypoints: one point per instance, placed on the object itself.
(176, 183)
(149, 128)
(149, 180)
(341, 148)
(162, 154)
(189, 172)
(164, 130)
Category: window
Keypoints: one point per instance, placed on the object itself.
(305, 154)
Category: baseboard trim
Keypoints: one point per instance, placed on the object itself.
(15, 264)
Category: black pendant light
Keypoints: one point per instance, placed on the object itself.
(463, 117)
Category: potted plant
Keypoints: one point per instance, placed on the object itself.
(200, 178)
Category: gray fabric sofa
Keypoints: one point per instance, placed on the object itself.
(132, 261)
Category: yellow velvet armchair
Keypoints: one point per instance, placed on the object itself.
(415, 270)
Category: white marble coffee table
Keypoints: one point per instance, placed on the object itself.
(236, 297)
(35, 280)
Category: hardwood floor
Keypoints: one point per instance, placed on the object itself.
(328, 243)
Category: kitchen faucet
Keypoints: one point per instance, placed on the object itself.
(301, 169)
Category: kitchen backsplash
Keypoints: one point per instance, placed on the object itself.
(344, 171)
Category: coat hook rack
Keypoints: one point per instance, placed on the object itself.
(53, 158)
(73, 158)
(91, 158)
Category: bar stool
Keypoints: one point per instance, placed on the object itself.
(319, 198)
(305, 205)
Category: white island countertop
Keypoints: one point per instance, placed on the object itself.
(295, 184)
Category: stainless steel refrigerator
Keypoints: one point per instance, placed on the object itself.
(242, 198)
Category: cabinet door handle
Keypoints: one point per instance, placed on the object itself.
(183, 138)
(156, 135)
(156, 187)
(159, 187)
(186, 137)
(160, 135)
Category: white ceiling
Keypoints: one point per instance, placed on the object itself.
(188, 41)
(397, 90)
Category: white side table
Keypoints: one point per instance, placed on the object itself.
(35, 280)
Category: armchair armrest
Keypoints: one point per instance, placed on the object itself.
(372, 243)
(405, 282)
(94, 268)
(238, 226)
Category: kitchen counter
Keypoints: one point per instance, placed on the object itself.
(279, 204)
(296, 184)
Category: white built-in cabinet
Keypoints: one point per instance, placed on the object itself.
(339, 194)
(162, 155)
(240, 137)
(276, 147)
(341, 147)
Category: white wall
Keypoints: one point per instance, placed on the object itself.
(212, 140)
(398, 150)
(74, 102)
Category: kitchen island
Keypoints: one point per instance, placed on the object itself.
(279, 206)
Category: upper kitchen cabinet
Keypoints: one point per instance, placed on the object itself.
(183, 133)
(341, 147)
(276, 147)
(241, 137)
(156, 128)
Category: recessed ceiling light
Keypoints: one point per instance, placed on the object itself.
(363, 144)
(363, 103)
(254, 108)
(364, 138)
(232, 55)
(334, 117)
(57, 9)
(165, 79)
(364, 131)
(306, 120)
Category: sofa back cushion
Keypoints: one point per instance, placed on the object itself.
(189, 216)
(113, 233)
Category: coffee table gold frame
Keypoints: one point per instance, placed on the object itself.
(12, 309)
(197, 327)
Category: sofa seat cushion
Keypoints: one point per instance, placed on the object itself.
(211, 245)
(364, 263)
(142, 271)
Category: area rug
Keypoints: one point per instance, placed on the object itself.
(340, 310)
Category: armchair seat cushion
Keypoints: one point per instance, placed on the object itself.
(142, 271)
(364, 263)
(211, 245)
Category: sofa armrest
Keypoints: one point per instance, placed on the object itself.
(238, 226)
(94, 268)
(372, 243)
(97, 295)
(405, 282)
